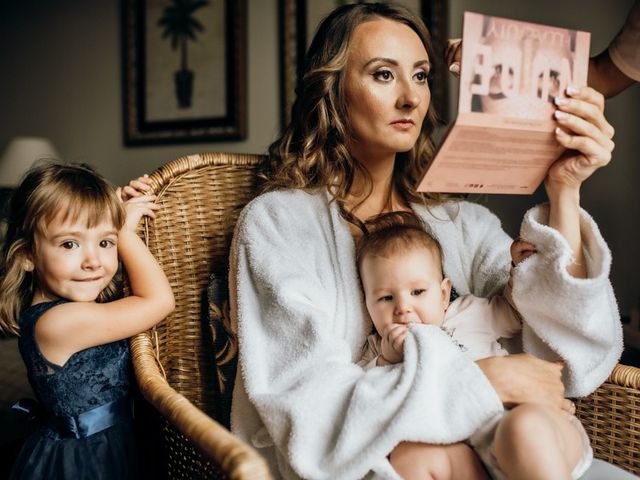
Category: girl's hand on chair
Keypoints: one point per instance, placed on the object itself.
(586, 133)
(136, 208)
(136, 187)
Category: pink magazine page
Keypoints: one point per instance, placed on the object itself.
(502, 140)
(516, 69)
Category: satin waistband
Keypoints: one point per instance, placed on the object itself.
(92, 421)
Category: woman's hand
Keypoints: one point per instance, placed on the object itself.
(453, 55)
(523, 378)
(137, 187)
(586, 133)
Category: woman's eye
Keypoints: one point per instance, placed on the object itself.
(417, 292)
(421, 76)
(384, 75)
(69, 245)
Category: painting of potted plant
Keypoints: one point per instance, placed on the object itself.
(179, 25)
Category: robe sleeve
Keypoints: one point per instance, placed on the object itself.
(568, 318)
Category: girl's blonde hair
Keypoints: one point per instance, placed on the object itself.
(49, 191)
(312, 152)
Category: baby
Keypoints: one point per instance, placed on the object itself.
(400, 268)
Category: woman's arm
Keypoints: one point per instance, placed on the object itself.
(606, 77)
(587, 135)
(618, 67)
(564, 317)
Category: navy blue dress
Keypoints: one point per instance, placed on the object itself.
(87, 431)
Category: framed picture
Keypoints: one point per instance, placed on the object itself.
(184, 75)
(298, 20)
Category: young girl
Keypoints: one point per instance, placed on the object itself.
(66, 229)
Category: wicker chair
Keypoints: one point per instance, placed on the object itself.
(175, 363)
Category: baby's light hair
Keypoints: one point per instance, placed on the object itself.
(392, 233)
(49, 191)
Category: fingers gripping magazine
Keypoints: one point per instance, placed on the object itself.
(503, 138)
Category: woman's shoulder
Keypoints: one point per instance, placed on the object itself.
(278, 198)
(290, 202)
(283, 209)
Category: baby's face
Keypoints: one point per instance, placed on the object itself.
(406, 288)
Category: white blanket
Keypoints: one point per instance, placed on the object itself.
(300, 399)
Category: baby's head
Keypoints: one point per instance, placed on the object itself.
(400, 267)
(61, 237)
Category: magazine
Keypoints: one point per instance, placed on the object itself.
(503, 140)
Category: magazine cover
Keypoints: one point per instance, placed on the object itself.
(502, 140)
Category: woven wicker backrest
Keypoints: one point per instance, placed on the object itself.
(201, 197)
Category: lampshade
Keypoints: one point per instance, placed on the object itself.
(20, 154)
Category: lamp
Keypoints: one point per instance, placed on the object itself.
(19, 154)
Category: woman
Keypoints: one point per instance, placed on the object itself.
(358, 141)
(359, 138)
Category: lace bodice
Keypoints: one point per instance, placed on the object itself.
(88, 379)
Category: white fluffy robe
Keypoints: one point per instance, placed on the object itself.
(580, 332)
(300, 399)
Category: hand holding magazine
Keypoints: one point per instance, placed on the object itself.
(503, 139)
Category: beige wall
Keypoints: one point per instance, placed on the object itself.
(61, 67)
(60, 70)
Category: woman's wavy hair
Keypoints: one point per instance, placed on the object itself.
(312, 152)
(49, 191)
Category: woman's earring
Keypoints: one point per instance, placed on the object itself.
(27, 265)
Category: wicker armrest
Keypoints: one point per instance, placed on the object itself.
(611, 417)
(235, 459)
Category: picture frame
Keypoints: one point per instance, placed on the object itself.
(298, 20)
(184, 82)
